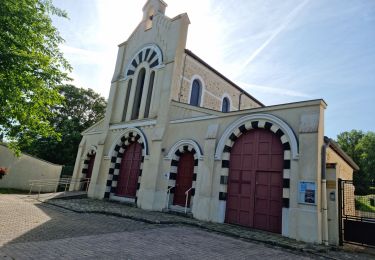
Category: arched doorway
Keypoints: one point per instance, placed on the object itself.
(129, 171)
(255, 181)
(184, 179)
(90, 166)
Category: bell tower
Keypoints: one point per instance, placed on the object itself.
(152, 8)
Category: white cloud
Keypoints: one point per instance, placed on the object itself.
(273, 90)
(275, 33)
(83, 56)
(95, 45)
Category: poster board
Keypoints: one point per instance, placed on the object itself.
(307, 192)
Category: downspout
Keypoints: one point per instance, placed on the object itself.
(324, 193)
(239, 101)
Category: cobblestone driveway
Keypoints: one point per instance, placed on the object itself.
(31, 230)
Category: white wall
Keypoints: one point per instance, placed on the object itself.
(25, 168)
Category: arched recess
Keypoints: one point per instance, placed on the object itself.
(90, 152)
(245, 124)
(117, 150)
(150, 53)
(89, 156)
(149, 94)
(225, 107)
(139, 87)
(201, 87)
(179, 148)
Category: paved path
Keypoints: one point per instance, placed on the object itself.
(32, 230)
(154, 217)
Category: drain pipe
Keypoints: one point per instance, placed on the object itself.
(324, 192)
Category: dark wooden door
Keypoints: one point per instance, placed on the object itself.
(90, 166)
(89, 172)
(184, 180)
(255, 181)
(129, 171)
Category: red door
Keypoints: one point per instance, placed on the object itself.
(129, 171)
(184, 179)
(256, 181)
(89, 172)
(90, 166)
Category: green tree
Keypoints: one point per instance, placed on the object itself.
(367, 146)
(361, 147)
(349, 141)
(31, 69)
(81, 109)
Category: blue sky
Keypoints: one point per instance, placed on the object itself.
(279, 51)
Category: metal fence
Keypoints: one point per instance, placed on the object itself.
(38, 185)
(357, 215)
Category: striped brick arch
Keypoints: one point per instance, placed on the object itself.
(126, 139)
(175, 153)
(150, 54)
(290, 150)
(90, 153)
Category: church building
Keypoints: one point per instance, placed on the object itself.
(180, 136)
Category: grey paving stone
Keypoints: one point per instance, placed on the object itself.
(161, 243)
(69, 229)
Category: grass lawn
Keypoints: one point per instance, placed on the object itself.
(12, 191)
(362, 203)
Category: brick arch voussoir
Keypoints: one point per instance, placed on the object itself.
(114, 169)
(185, 148)
(85, 167)
(244, 128)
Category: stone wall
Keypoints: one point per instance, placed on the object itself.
(215, 88)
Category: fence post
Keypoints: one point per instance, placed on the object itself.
(31, 187)
(339, 201)
(40, 187)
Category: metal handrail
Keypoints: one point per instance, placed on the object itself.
(168, 194)
(187, 197)
(56, 183)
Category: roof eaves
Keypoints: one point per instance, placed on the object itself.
(336, 147)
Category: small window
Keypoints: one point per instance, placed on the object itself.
(138, 93)
(196, 92)
(127, 99)
(225, 107)
(149, 94)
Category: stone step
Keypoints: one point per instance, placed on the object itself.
(178, 211)
(69, 195)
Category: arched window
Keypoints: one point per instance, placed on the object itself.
(138, 93)
(196, 92)
(149, 94)
(225, 107)
(127, 99)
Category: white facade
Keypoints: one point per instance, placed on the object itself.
(149, 111)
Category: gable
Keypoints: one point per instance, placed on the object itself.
(97, 128)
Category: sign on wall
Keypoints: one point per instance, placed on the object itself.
(307, 192)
